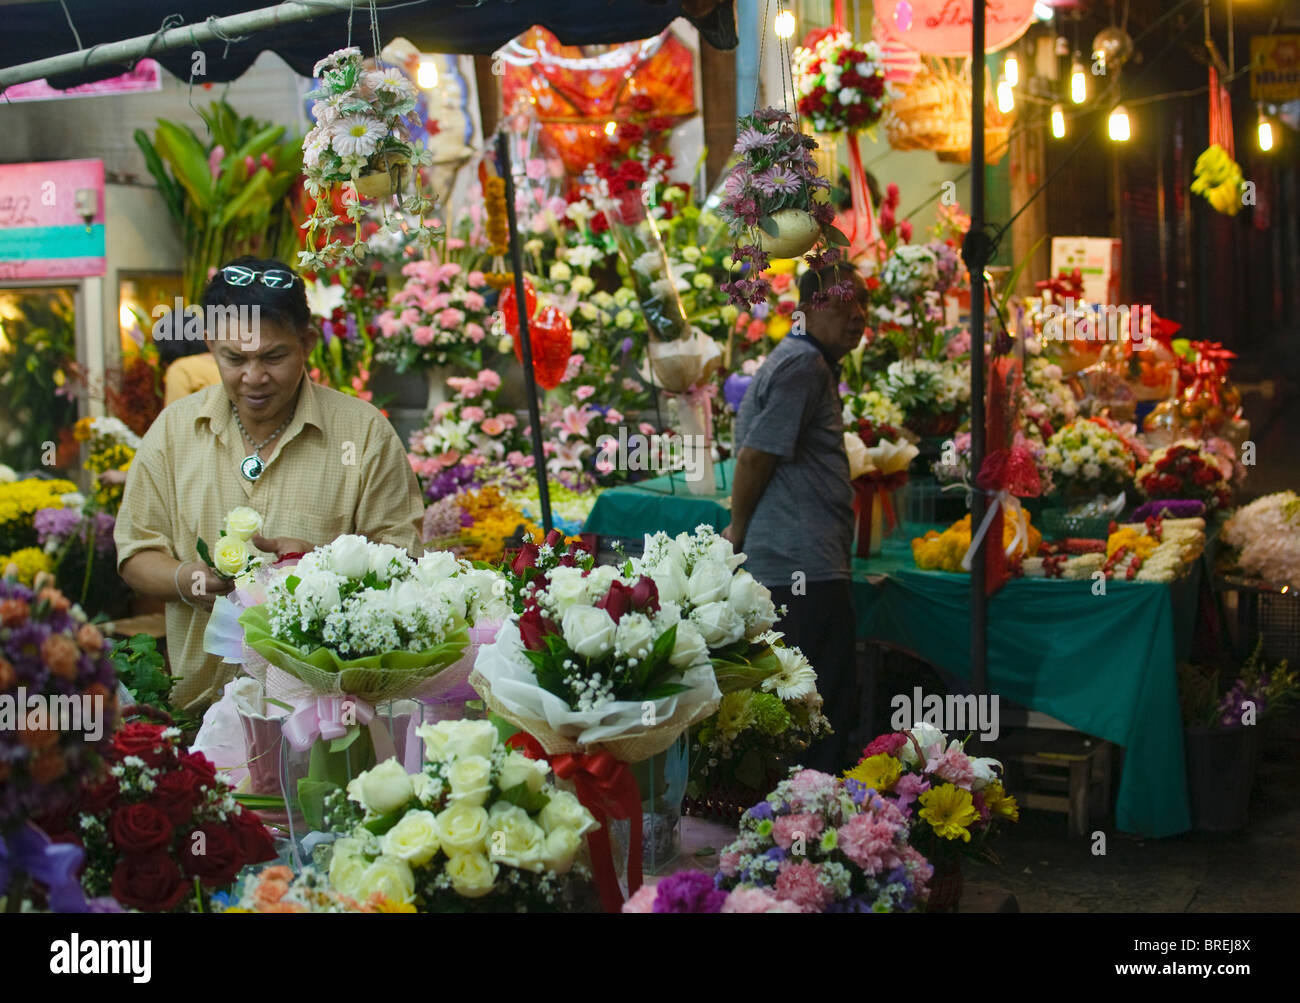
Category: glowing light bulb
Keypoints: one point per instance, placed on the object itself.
(783, 24)
(1006, 97)
(126, 317)
(1078, 83)
(427, 75)
(1118, 125)
(1058, 121)
(1011, 70)
(1265, 134)
(610, 126)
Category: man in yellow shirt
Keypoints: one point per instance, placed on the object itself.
(313, 462)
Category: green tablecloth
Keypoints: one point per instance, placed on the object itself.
(634, 510)
(1102, 664)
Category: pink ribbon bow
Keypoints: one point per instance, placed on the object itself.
(322, 717)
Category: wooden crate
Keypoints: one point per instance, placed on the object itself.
(1062, 771)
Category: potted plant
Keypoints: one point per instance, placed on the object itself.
(1222, 735)
(770, 205)
(361, 138)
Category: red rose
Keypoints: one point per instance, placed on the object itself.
(615, 602)
(874, 86)
(633, 172)
(255, 843)
(554, 539)
(660, 123)
(145, 741)
(211, 854)
(148, 881)
(642, 102)
(178, 793)
(140, 828)
(533, 628)
(100, 797)
(202, 768)
(526, 558)
(631, 133)
(645, 595)
(599, 224)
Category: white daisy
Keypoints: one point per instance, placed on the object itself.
(796, 678)
(358, 135)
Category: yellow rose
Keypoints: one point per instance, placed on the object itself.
(519, 769)
(390, 877)
(472, 874)
(346, 867)
(413, 839)
(243, 522)
(565, 811)
(471, 779)
(561, 847)
(515, 839)
(383, 788)
(463, 828)
(231, 556)
(449, 739)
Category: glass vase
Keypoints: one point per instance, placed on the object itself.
(642, 248)
(661, 779)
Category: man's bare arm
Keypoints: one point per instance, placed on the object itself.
(160, 576)
(753, 472)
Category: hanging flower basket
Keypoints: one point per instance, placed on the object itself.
(385, 180)
(789, 233)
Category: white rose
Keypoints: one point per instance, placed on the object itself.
(519, 769)
(470, 778)
(567, 588)
(382, 558)
(565, 811)
(389, 878)
(587, 312)
(635, 635)
(346, 867)
(425, 788)
(449, 739)
(600, 579)
(670, 580)
(435, 566)
(709, 582)
(318, 590)
(515, 839)
(463, 828)
(382, 789)
(472, 874)
(747, 596)
(560, 849)
(413, 839)
(721, 550)
(689, 648)
(718, 623)
(349, 556)
(588, 631)
(243, 522)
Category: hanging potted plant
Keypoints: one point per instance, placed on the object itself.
(360, 139)
(770, 205)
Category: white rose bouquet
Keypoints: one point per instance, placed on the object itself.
(479, 828)
(1086, 458)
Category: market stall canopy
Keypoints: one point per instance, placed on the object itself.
(34, 31)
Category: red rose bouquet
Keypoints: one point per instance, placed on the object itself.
(1185, 470)
(161, 832)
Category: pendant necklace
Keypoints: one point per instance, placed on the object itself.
(251, 466)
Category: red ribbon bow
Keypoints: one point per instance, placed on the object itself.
(607, 789)
(1066, 284)
(866, 487)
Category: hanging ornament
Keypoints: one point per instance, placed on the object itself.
(943, 27)
(551, 338)
(509, 307)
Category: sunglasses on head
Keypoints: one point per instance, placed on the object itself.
(274, 278)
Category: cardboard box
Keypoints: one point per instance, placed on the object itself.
(1098, 260)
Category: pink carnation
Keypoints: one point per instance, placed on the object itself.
(755, 900)
(798, 883)
(909, 787)
(643, 901)
(729, 864)
(868, 841)
(473, 414)
(488, 378)
(388, 323)
(583, 392)
(410, 316)
(442, 409)
(466, 386)
(474, 332)
(889, 744)
(953, 766)
(508, 420)
(451, 318)
(476, 280)
(422, 335)
(788, 828)
(518, 459)
(923, 872)
(809, 784)
(474, 301)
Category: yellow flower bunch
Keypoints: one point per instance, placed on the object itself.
(20, 500)
(944, 551)
(950, 811)
(999, 802)
(26, 564)
(499, 280)
(1136, 542)
(495, 521)
(498, 233)
(83, 429)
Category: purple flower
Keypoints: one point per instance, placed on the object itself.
(752, 139)
(104, 524)
(55, 523)
(777, 179)
(327, 331)
(689, 891)
(625, 345)
(761, 811)
(350, 328)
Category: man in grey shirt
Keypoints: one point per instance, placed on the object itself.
(792, 503)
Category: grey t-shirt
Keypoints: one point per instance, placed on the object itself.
(804, 520)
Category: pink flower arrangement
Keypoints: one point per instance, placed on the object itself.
(437, 318)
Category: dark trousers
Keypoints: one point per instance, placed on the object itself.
(822, 625)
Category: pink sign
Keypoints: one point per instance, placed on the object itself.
(52, 219)
(943, 27)
(146, 76)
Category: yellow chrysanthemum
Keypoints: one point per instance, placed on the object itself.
(778, 326)
(999, 803)
(949, 810)
(879, 772)
(27, 564)
(81, 431)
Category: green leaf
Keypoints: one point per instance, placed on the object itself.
(835, 236)
(1015, 273)
(342, 744)
(665, 690)
(170, 190)
(383, 823)
(205, 555)
(180, 148)
(311, 798)
(530, 801)
(768, 225)
(291, 583)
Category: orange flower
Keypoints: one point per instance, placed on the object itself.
(57, 600)
(48, 765)
(279, 872)
(90, 639)
(270, 891)
(7, 675)
(39, 738)
(13, 612)
(60, 654)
